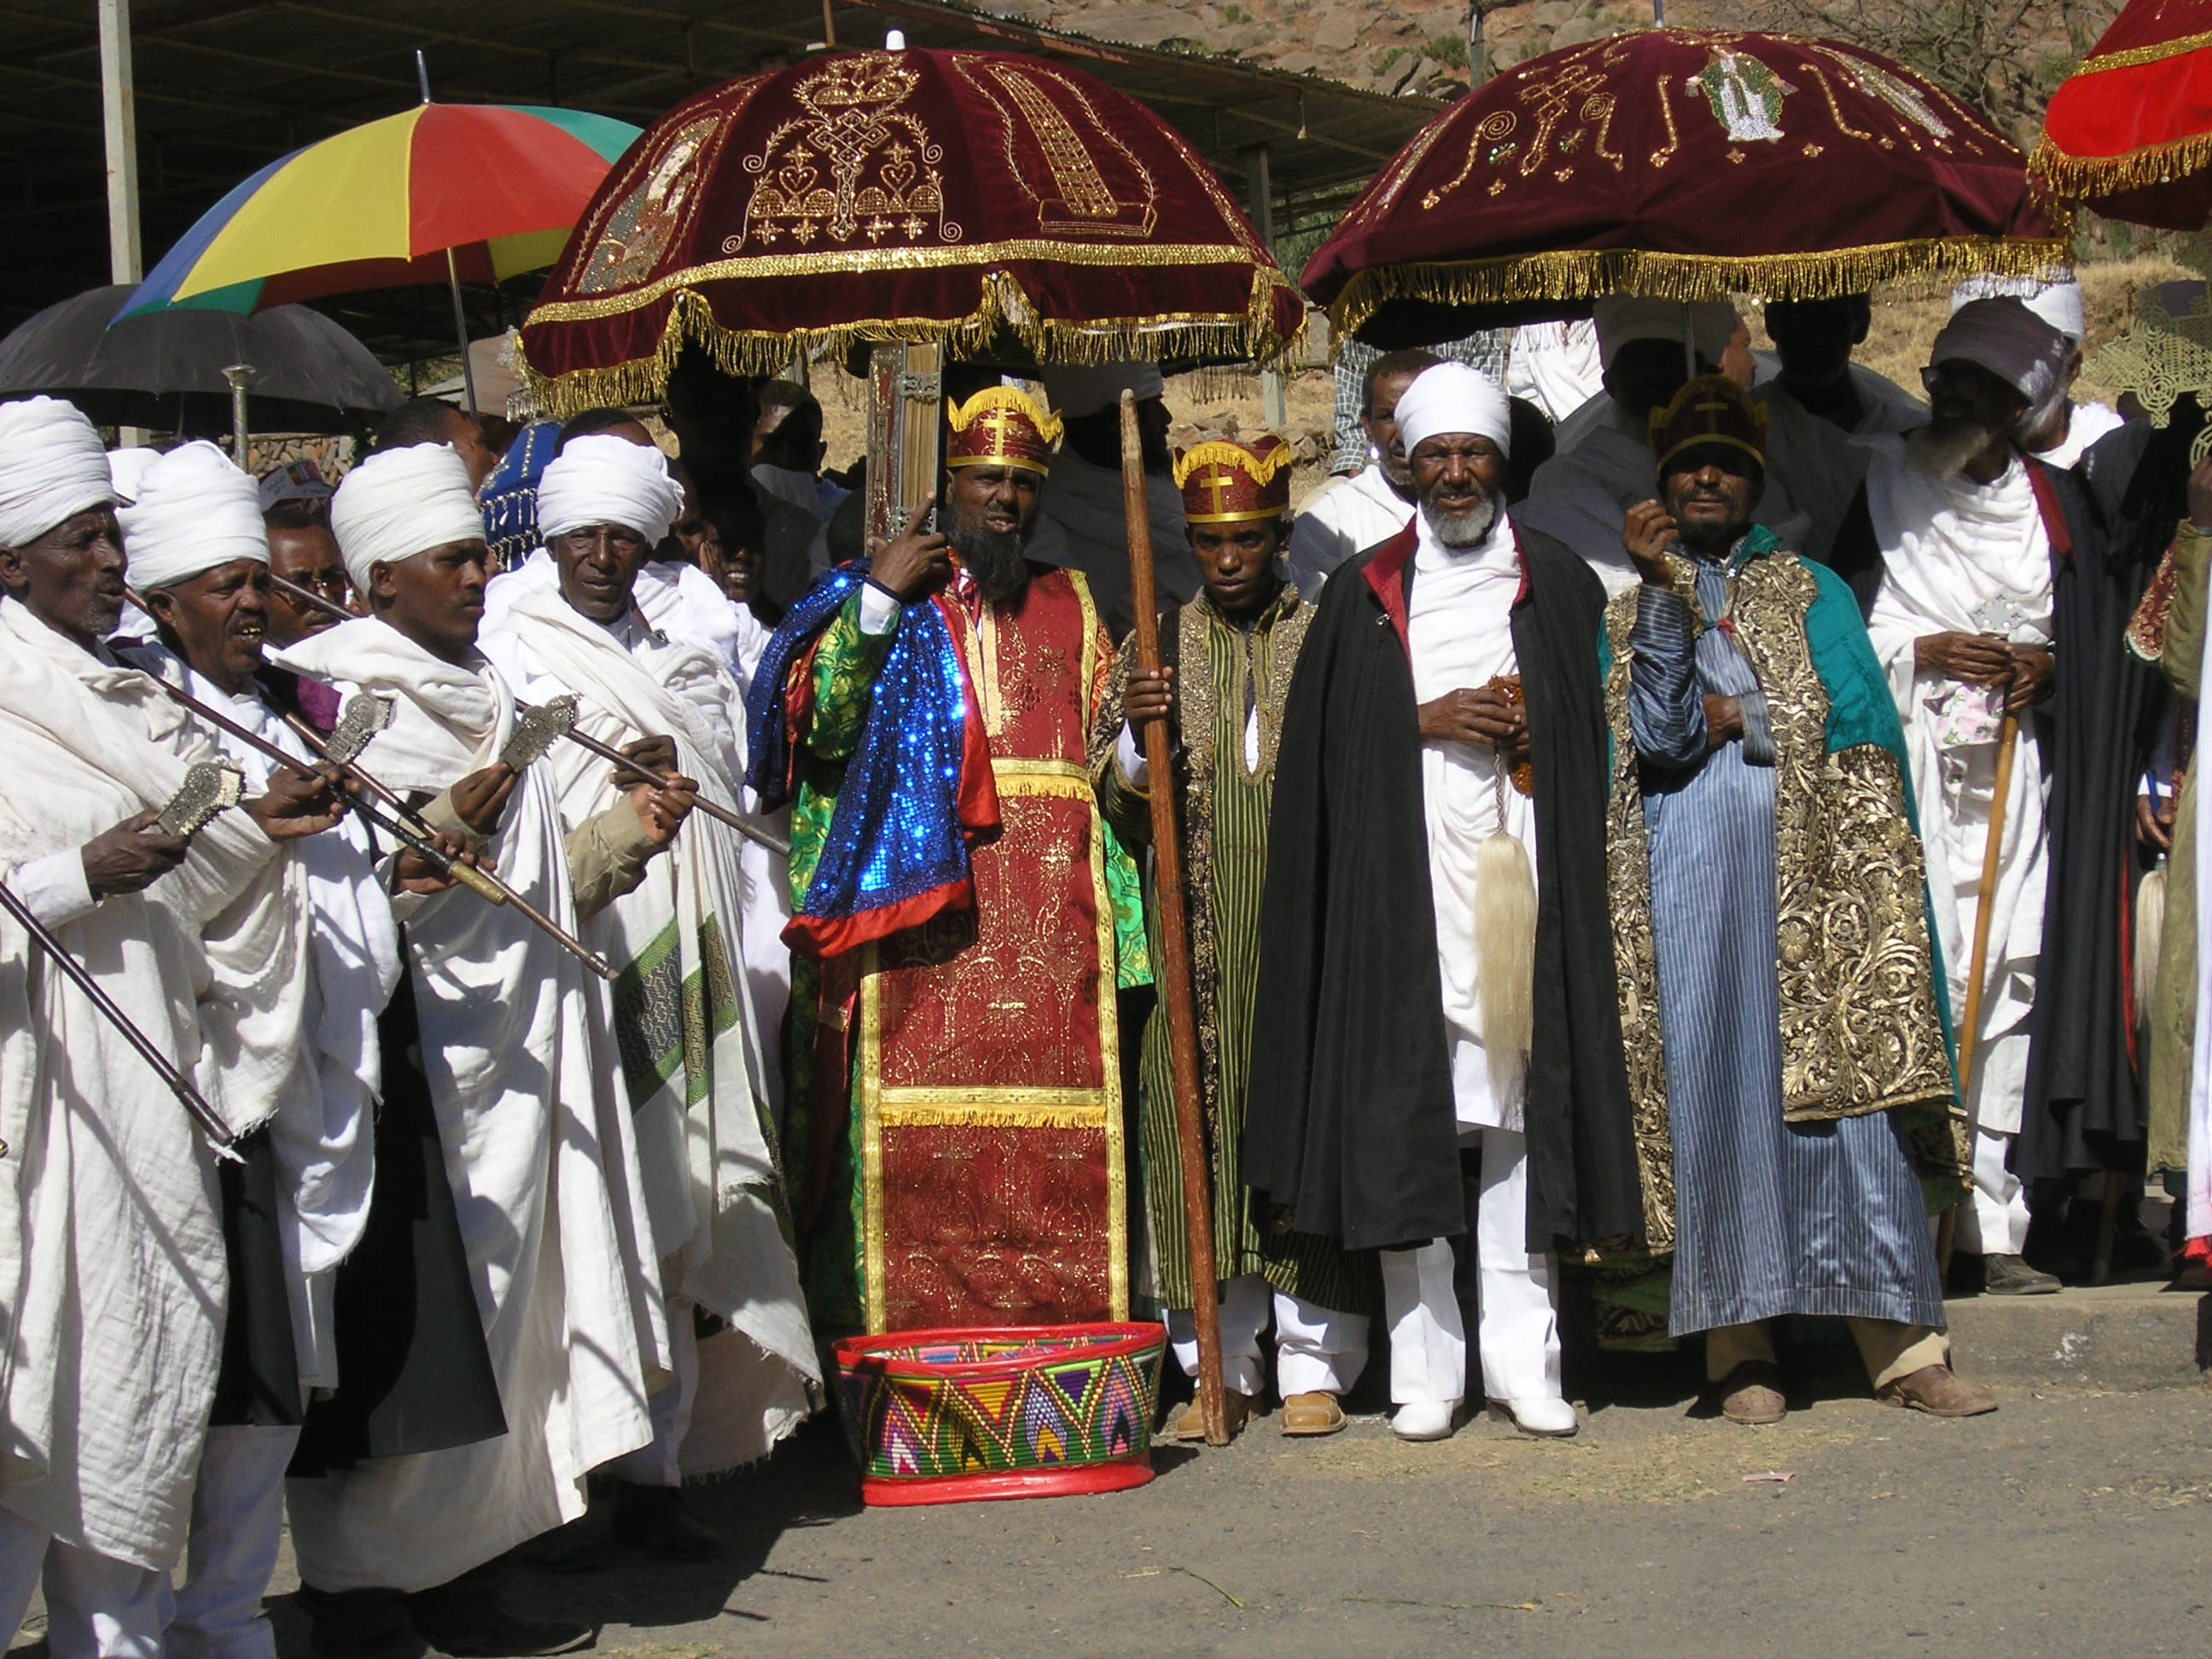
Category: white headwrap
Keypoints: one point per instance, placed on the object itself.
(1621, 318)
(2059, 304)
(1077, 391)
(401, 502)
(1453, 398)
(53, 466)
(127, 470)
(194, 511)
(600, 479)
(2005, 338)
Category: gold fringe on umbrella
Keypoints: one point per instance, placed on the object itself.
(1584, 273)
(2087, 178)
(1003, 308)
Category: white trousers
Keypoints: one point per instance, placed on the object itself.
(97, 1608)
(1317, 1350)
(237, 1518)
(1994, 1220)
(1517, 1332)
(659, 1464)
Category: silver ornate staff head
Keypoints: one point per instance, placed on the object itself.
(536, 729)
(364, 715)
(209, 787)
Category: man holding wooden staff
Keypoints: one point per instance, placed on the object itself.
(1435, 972)
(1236, 646)
(493, 1353)
(579, 620)
(1959, 553)
(111, 1261)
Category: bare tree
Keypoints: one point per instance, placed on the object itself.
(2004, 56)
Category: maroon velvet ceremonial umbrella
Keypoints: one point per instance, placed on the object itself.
(1679, 164)
(978, 199)
(2130, 132)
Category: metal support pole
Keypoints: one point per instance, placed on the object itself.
(240, 375)
(1274, 407)
(118, 118)
(1478, 49)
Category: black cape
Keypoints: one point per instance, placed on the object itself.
(2083, 1107)
(1351, 1124)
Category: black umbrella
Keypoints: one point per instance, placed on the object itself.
(164, 370)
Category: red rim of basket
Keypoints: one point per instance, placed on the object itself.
(868, 1353)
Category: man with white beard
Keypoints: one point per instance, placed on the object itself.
(1962, 553)
(445, 1447)
(580, 621)
(111, 1259)
(1435, 965)
(297, 1206)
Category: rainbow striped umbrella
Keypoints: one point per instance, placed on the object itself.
(442, 193)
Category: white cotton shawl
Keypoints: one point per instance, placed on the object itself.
(597, 479)
(1955, 555)
(323, 1133)
(52, 467)
(401, 502)
(539, 1152)
(112, 1264)
(193, 512)
(713, 1189)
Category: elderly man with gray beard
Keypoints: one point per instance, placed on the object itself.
(1435, 976)
(1981, 574)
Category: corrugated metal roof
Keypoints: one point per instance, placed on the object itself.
(224, 86)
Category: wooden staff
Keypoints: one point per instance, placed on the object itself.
(1979, 963)
(645, 774)
(1174, 949)
(217, 1132)
(479, 881)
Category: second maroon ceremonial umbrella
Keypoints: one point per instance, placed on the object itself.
(1684, 164)
(909, 195)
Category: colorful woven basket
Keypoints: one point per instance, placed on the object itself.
(954, 1415)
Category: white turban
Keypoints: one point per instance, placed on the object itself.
(1621, 318)
(1453, 398)
(2010, 341)
(194, 511)
(1076, 391)
(52, 467)
(599, 479)
(401, 502)
(2059, 304)
(127, 470)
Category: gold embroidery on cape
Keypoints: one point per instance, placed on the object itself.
(1855, 968)
(639, 230)
(856, 164)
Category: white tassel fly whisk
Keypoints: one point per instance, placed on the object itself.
(1505, 951)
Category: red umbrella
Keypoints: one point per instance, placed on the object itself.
(2130, 133)
(962, 197)
(1683, 164)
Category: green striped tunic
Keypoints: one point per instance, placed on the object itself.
(1223, 813)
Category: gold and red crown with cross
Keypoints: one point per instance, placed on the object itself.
(1226, 482)
(1711, 410)
(1000, 426)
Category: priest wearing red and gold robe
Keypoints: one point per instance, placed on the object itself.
(955, 899)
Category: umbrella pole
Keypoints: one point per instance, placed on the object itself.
(1174, 952)
(239, 375)
(461, 331)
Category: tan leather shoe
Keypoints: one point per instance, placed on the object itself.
(1190, 1422)
(1312, 1414)
(1938, 1391)
(1752, 1393)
